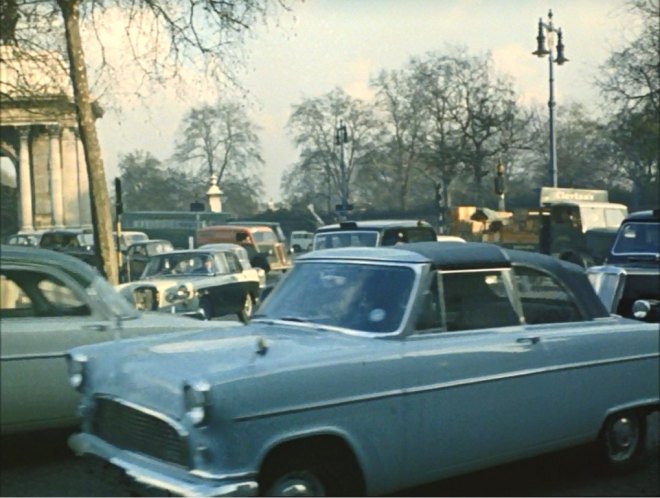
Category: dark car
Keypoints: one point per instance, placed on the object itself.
(373, 233)
(633, 262)
(139, 254)
(72, 241)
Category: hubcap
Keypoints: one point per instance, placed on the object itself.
(622, 439)
(299, 484)
(247, 307)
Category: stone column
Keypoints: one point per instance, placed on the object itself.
(55, 162)
(70, 185)
(83, 186)
(25, 180)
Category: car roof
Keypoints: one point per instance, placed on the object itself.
(235, 228)
(372, 225)
(448, 256)
(649, 215)
(76, 268)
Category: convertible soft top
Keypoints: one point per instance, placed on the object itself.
(449, 256)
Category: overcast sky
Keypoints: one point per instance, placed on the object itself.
(323, 44)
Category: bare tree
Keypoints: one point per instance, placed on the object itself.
(221, 138)
(313, 125)
(187, 30)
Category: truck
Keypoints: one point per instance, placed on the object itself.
(576, 225)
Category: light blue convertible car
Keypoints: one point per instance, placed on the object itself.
(369, 370)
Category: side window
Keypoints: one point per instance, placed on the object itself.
(543, 299)
(32, 293)
(393, 237)
(14, 302)
(233, 263)
(477, 300)
(430, 316)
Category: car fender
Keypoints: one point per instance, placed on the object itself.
(346, 437)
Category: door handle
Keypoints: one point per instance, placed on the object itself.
(528, 340)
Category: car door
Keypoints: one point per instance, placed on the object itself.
(44, 313)
(470, 374)
(137, 256)
(231, 288)
(594, 364)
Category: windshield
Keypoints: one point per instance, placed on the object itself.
(184, 263)
(345, 238)
(638, 238)
(601, 217)
(357, 296)
(118, 305)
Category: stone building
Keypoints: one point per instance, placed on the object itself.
(39, 135)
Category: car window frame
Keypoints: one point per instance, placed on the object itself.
(584, 317)
(78, 291)
(436, 277)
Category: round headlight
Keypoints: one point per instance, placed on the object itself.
(181, 292)
(77, 364)
(196, 400)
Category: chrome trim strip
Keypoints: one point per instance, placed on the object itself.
(441, 385)
(177, 426)
(173, 485)
(165, 477)
(38, 356)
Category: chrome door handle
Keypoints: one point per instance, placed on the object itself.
(528, 340)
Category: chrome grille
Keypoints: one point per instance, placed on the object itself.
(134, 430)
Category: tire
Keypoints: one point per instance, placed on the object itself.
(248, 306)
(622, 440)
(307, 474)
(206, 308)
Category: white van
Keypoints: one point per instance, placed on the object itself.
(300, 240)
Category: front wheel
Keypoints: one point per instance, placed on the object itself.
(248, 306)
(308, 475)
(206, 309)
(622, 439)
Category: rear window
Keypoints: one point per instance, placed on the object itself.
(345, 238)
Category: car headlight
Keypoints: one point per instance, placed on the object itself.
(77, 366)
(179, 294)
(197, 403)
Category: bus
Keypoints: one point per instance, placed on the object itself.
(179, 227)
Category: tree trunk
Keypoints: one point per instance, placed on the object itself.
(98, 191)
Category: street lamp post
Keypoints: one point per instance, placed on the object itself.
(544, 49)
(341, 137)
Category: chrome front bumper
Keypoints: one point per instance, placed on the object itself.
(154, 474)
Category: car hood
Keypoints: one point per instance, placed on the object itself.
(163, 282)
(150, 371)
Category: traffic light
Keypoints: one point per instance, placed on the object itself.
(119, 207)
(500, 184)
